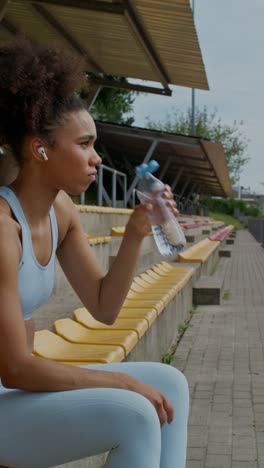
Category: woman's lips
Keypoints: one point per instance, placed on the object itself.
(92, 177)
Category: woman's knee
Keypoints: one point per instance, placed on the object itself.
(178, 379)
(173, 379)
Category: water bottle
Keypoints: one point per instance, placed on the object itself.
(166, 230)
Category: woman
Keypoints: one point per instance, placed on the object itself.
(53, 413)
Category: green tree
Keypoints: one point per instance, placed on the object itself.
(210, 125)
(113, 104)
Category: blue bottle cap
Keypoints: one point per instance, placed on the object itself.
(151, 167)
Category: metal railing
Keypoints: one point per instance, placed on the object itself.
(184, 206)
(102, 193)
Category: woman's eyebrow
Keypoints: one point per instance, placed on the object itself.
(87, 137)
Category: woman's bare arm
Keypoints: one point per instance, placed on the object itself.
(102, 294)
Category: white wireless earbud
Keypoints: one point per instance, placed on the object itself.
(43, 153)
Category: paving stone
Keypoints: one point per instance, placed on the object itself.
(218, 461)
(241, 464)
(194, 464)
(219, 449)
(195, 453)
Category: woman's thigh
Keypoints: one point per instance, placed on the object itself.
(174, 386)
(44, 429)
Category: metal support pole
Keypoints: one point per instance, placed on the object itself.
(193, 93)
(193, 187)
(94, 91)
(185, 186)
(177, 178)
(164, 169)
(82, 198)
(125, 192)
(146, 159)
(114, 189)
(133, 198)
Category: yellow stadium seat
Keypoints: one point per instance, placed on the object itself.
(74, 332)
(51, 346)
(118, 230)
(150, 314)
(200, 252)
(93, 239)
(133, 301)
(140, 326)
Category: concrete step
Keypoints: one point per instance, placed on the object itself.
(208, 290)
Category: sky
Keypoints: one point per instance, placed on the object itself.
(231, 37)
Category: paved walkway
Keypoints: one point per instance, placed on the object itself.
(222, 356)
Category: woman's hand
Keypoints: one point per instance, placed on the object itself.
(167, 193)
(139, 222)
(159, 401)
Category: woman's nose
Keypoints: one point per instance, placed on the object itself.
(97, 160)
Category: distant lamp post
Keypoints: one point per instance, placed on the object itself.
(193, 92)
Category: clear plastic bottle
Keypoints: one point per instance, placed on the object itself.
(166, 230)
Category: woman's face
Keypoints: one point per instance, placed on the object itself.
(73, 159)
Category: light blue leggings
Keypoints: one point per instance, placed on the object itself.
(41, 430)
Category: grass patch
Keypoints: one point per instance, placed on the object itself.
(226, 295)
(182, 328)
(227, 219)
(167, 358)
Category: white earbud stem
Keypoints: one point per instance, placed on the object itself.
(42, 151)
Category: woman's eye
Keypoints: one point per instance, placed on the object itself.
(84, 144)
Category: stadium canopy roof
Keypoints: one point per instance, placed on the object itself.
(187, 164)
(144, 39)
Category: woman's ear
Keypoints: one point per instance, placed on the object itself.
(38, 150)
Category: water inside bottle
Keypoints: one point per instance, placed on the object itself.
(167, 245)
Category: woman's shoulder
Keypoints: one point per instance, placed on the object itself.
(10, 232)
(8, 224)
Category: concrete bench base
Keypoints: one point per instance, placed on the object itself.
(225, 253)
(208, 291)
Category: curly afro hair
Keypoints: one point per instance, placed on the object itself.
(37, 91)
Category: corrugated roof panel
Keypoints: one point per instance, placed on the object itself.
(108, 39)
(25, 18)
(148, 39)
(170, 25)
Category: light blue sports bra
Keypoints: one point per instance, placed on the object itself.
(35, 282)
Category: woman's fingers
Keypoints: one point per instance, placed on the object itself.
(167, 193)
(169, 410)
(165, 410)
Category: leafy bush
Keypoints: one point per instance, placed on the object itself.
(230, 206)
